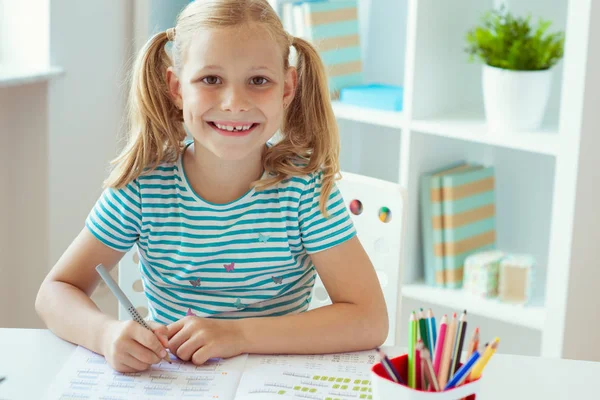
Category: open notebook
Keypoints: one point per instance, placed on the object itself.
(86, 375)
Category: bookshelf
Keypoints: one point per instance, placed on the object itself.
(443, 121)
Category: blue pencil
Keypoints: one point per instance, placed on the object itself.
(462, 372)
(432, 331)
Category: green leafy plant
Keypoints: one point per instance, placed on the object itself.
(509, 42)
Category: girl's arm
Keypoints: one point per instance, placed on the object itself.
(357, 319)
(63, 300)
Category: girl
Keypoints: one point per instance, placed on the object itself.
(229, 226)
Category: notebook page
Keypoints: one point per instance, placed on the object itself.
(314, 377)
(87, 375)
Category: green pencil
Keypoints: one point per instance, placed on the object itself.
(412, 341)
(423, 328)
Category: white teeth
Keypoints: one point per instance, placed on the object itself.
(231, 128)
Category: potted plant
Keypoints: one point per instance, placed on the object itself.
(517, 74)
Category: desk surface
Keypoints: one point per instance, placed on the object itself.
(32, 357)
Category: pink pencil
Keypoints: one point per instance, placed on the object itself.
(437, 359)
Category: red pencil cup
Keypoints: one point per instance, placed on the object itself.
(386, 389)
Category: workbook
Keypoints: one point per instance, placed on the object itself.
(87, 375)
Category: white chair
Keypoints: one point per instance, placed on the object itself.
(130, 282)
(381, 240)
(365, 197)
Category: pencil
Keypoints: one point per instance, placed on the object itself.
(389, 367)
(474, 343)
(458, 345)
(412, 341)
(431, 330)
(419, 366)
(429, 373)
(125, 302)
(423, 327)
(447, 352)
(462, 372)
(487, 354)
(437, 357)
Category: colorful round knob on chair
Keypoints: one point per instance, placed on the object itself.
(356, 207)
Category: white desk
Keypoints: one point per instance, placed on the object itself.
(31, 358)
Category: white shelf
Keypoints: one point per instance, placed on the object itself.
(528, 316)
(392, 119)
(471, 126)
(13, 75)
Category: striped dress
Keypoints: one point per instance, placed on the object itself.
(247, 258)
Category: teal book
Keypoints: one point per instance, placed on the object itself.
(431, 223)
(332, 27)
(469, 219)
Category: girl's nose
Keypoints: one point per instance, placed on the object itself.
(235, 100)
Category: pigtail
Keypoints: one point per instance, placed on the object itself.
(309, 127)
(156, 130)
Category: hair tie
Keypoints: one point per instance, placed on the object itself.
(170, 34)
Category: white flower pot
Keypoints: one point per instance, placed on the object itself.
(515, 100)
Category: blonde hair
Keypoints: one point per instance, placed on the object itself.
(309, 134)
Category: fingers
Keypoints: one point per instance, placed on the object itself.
(134, 364)
(189, 347)
(176, 341)
(175, 327)
(202, 355)
(148, 339)
(161, 331)
(142, 353)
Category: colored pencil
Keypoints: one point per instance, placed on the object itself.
(447, 352)
(487, 354)
(437, 357)
(458, 345)
(429, 373)
(419, 366)
(412, 341)
(423, 327)
(389, 367)
(462, 372)
(431, 330)
(474, 343)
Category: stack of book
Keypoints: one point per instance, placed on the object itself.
(332, 27)
(457, 220)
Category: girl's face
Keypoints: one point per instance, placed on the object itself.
(232, 88)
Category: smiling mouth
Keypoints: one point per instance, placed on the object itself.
(233, 129)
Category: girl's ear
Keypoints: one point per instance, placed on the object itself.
(290, 84)
(174, 87)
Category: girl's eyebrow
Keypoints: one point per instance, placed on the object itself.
(262, 67)
(211, 66)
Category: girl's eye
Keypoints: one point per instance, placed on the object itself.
(259, 81)
(211, 80)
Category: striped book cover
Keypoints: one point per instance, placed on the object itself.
(431, 223)
(469, 219)
(332, 27)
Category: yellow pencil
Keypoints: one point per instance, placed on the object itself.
(489, 352)
(447, 353)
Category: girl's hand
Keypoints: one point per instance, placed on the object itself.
(198, 339)
(129, 347)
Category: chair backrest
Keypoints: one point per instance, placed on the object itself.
(378, 211)
(130, 282)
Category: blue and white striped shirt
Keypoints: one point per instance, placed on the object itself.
(247, 258)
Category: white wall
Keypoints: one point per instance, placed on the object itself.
(92, 41)
(57, 139)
